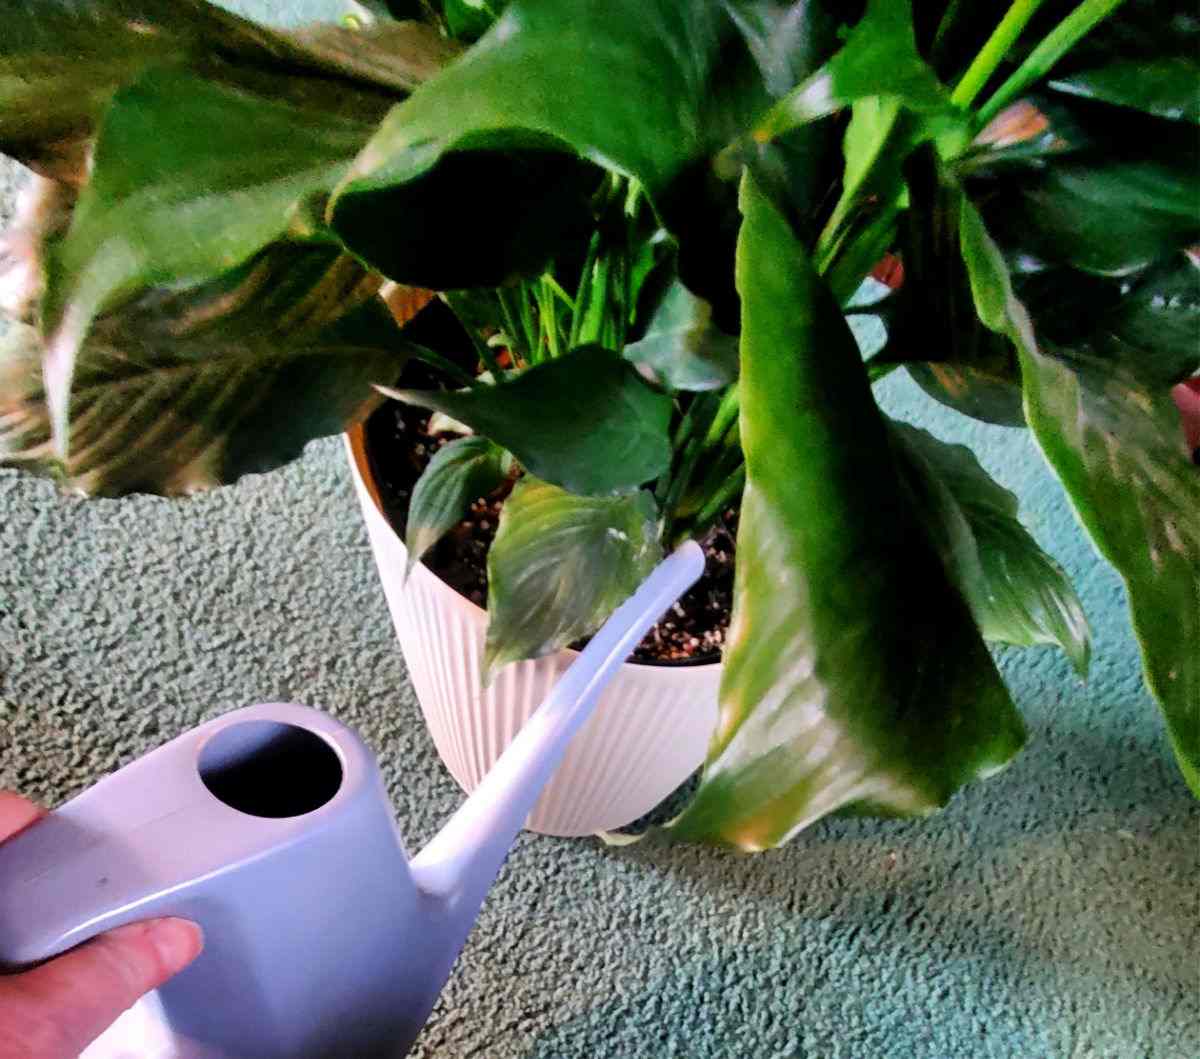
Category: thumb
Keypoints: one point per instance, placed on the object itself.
(59, 1008)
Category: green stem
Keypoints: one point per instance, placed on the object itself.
(436, 360)
(679, 482)
(721, 464)
(533, 340)
(949, 16)
(727, 413)
(893, 131)
(548, 317)
(585, 280)
(993, 53)
(511, 331)
(1058, 42)
(712, 510)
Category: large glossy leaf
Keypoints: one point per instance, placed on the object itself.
(461, 471)
(1148, 323)
(1117, 446)
(879, 59)
(560, 565)
(485, 152)
(683, 348)
(1168, 87)
(854, 675)
(61, 61)
(1118, 449)
(585, 421)
(1016, 592)
(181, 390)
(191, 178)
(1117, 191)
(937, 330)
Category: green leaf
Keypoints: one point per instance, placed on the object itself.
(879, 59)
(191, 179)
(1148, 322)
(585, 421)
(940, 328)
(180, 390)
(560, 565)
(487, 153)
(1116, 445)
(996, 303)
(61, 62)
(989, 391)
(1121, 193)
(1016, 592)
(470, 19)
(1167, 88)
(854, 675)
(460, 472)
(683, 348)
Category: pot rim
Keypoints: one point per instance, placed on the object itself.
(356, 435)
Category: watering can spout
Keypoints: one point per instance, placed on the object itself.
(459, 864)
(271, 827)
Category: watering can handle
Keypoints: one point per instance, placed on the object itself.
(461, 861)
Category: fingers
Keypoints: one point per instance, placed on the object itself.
(16, 814)
(56, 1010)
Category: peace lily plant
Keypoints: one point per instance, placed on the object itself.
(656, 221)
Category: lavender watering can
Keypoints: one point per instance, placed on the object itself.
(271, 828)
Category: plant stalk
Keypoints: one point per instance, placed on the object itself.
(993, 53)
(729, 491)
(436, 360)
(1057, 43)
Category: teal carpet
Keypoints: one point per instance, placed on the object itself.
(1049, 912)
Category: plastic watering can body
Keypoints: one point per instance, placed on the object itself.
(271, 828)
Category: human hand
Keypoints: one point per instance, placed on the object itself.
(57, 1009)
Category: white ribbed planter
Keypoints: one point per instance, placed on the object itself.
(650, 730)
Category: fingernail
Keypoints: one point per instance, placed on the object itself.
(178, 942)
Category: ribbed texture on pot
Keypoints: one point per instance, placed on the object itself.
(649, 731)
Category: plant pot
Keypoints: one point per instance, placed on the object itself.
(649, 732)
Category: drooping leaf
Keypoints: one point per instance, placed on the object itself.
(1016, 592)
(508, 123)
(987, 391)
(1117, 446)
(1167, 88)
(470, 19)
(560, 565)
(854, 675)
(191, 178)
(585, 421)
(978, 378)
(683, 348)
(460, 472)
(1148, 323)
(879, 59)
(1117, 191)
(897, 104)
(179, 390)
(937, 330)
(61, 62)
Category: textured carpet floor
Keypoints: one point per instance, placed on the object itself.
(1049, 912)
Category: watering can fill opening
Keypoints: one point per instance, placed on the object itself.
(271, 769)
(271, 827)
